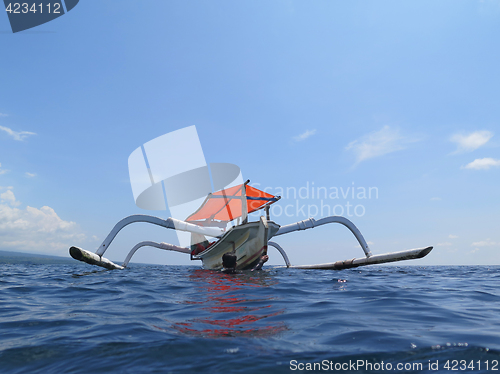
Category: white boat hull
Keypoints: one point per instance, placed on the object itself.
(248, 241)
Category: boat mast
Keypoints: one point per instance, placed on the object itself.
(244, 207)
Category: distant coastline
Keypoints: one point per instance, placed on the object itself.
(10, 257)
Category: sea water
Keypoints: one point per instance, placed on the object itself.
(170, 319)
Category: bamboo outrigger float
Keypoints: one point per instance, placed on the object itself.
(248, 240)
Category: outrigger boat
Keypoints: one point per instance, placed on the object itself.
(248, 240)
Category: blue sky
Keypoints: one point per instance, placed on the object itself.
(399, 96)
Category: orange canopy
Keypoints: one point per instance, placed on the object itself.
(226, 205)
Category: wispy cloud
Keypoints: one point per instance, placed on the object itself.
(304, 136)
(485, 243)
(3, 115)
(17, 135)
(2, 171)
(445, 244)
(451, 236)
(472, 141)
(482, 164)
(30, 175)
(436, 199)
(378, 143)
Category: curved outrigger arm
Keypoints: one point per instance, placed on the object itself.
(282, 251)
(355, 262)
(169, 223)
(165, 246)
(311, 223)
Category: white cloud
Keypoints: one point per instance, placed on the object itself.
(3, 115)
(8, 197)
(445, 244)
(472, 141)
(378, 143)
(451, 236)
(436, 199)
(485, 243)
(35, 230)
(482, 164)
(2, 171)
(17, 135)
(30, 175)
(304, 135)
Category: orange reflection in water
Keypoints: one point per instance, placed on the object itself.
(229, 306)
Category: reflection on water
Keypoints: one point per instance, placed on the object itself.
(85, 273)
(228, 306)
(341, 284)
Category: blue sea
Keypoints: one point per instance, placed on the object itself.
(75, 318)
